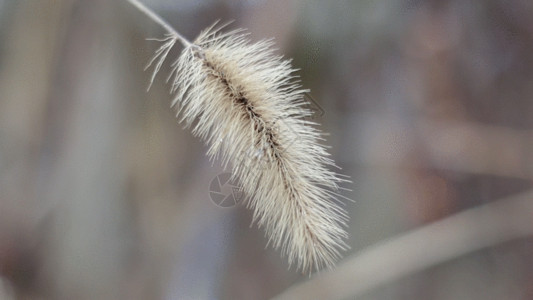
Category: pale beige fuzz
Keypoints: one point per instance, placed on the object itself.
(245, 103)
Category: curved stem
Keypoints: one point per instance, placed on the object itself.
(465, 232)
(152, 15)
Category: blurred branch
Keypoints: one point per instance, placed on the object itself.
(468, 147)
(477, 148)
(457, 235)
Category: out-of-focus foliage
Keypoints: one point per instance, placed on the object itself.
(103, 196)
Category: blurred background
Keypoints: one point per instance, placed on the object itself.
(103, 195)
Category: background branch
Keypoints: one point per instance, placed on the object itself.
(471, 230)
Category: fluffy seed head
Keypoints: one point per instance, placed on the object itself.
(245, 103)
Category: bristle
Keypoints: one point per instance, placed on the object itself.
(247, 105)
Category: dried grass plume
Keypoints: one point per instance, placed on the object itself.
(245, 103)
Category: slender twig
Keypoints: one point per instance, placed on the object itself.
(455, 236)
(152, 15)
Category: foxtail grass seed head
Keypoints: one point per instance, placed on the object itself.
(246, 104)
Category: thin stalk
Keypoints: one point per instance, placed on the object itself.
(152, 15)
(462, 233)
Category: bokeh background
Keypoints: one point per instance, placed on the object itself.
(103, 195)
